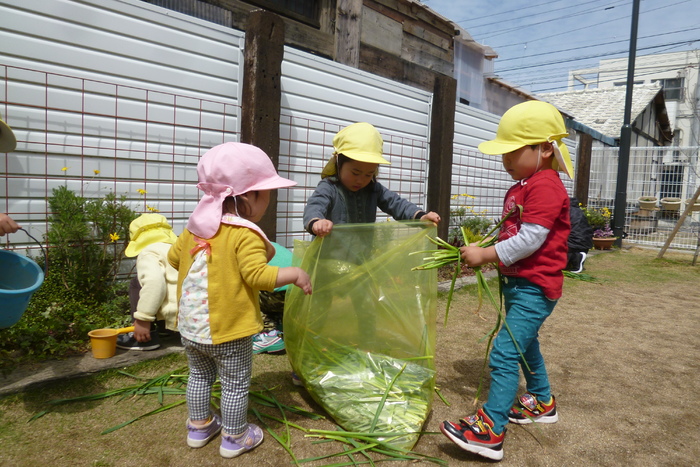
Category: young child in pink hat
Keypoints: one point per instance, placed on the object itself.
(222, 261)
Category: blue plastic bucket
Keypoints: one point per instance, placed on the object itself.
(19, 278)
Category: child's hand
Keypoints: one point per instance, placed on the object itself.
(7, 225)
(431, 217)
(322, 227)
(474, 256)
(296, 276)
(303, 282)
(142, 330)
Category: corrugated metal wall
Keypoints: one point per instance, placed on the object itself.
(86, 84)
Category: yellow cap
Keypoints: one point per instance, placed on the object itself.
(529, 123)
(146, 230)
(361, 142)
(8, 142)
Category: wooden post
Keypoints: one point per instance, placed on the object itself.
(583, 168)
(262, 94)
(442, 125)
(678, 226)
(348, 24)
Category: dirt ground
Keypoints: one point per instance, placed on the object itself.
(622, 355)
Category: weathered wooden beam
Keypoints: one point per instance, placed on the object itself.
(412, 9)
(262, 94)
(297, 35)
(381, 32)
(442, 129)
(348, 25)
(582, 172)
(427, 55)
(382, 63)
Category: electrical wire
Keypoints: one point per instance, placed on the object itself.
(602, 44)
(568, 31)
(549, 10)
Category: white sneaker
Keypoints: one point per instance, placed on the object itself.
(268, 342)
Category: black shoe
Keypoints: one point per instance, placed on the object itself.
(580, 258)
(128, 342)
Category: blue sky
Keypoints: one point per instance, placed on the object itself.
(561, 35)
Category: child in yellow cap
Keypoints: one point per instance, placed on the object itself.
(531, 254)
(349, 191)
(153, 292)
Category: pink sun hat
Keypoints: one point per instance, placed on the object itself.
(230, 169)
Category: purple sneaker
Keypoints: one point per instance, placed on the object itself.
(199, 437)
(235, 446)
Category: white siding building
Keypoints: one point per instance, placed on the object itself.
(677, 72)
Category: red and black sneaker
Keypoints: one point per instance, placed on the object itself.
(475, 434)
(530, 410)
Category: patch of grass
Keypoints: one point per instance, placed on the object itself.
(643, 265)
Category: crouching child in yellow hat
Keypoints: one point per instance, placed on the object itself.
(531, 253)
(153, 292)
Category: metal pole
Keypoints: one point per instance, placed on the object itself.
(620, 206)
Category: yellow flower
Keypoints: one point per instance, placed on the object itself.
(97, 172)
(64, 169)
(152, 209)
(141, 191)
(113, 237)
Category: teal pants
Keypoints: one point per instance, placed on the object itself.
(526, 309)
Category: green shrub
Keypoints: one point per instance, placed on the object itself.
(82, 290)
(87, 239)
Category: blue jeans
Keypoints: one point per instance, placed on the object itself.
(526, 309)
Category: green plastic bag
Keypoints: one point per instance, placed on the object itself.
(363, 342)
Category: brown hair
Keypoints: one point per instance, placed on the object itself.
(236, 203)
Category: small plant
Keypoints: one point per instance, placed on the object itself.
(603, 232)
(465, 220)
(598, 217)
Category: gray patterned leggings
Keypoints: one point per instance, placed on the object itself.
(233, 361)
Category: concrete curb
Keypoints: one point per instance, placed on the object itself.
(37, 375)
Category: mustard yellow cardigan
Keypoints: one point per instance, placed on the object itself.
(237, 271)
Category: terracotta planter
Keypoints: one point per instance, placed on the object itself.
(694, 207)
(670, 204)
(647, 202)
(606, 243)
